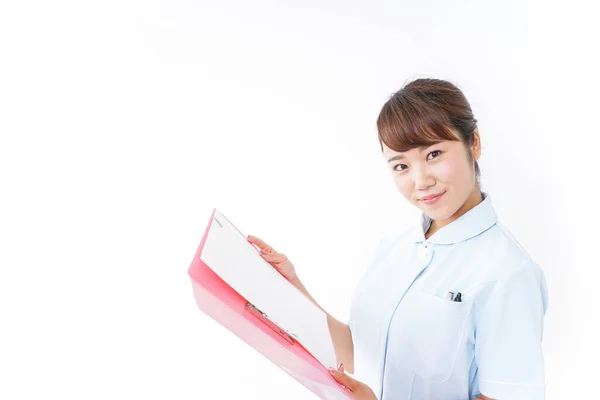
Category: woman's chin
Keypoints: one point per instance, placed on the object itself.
(436, 214)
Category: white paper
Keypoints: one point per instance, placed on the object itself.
(229, 254)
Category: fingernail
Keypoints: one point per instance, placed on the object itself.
(333, 370)
(341, 366)
(262, 251)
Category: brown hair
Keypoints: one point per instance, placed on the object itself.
(424, 112)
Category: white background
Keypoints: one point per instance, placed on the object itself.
(124, 123)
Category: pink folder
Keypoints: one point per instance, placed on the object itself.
(226, 306)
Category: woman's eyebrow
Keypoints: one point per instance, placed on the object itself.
(398, 157)
(421, 149)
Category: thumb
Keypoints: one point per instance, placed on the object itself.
(344, 379)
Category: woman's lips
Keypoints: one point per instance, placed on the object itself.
(432, 200)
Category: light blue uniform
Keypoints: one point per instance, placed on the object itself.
(412, 342)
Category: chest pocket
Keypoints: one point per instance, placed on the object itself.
(433, 331)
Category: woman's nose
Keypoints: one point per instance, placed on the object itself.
(423, 178)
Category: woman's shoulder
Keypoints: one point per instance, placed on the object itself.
(387, 242)
(500, 246)
(395, 237)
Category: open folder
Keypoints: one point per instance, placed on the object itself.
(236, 287)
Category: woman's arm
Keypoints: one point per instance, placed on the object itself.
(340, 333)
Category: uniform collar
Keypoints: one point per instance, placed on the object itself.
(470, 224)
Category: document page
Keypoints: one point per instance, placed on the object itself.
(229, 254)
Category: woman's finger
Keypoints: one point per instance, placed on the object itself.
(274, 257)
(261, 244)
(344, 379)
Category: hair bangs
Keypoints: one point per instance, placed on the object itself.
(404, 125)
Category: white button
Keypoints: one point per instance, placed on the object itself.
(424, 255)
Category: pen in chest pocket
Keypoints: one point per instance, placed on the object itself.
(452, 297)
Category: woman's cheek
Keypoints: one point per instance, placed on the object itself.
(450, 171)
(403, 186)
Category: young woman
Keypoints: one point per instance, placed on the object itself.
(453, 307)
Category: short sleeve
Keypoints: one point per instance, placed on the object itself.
(508, 337)
(372, 260)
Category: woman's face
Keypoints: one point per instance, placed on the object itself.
(442, 169)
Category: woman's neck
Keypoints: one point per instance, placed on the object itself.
(474, 199)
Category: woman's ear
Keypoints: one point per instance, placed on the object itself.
(476, 146)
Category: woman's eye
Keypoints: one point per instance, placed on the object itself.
(436, 153)
(400, 169)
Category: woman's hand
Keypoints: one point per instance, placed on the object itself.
(278, 260)
(359, 390)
